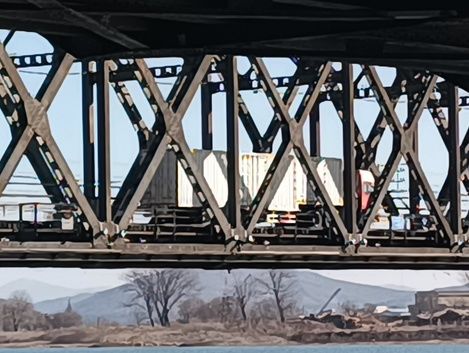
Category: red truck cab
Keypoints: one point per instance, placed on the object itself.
(366, 185)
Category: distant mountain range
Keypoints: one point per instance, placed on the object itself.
(40, 291)
(313, 290)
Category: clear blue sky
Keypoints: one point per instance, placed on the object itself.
(65, 120)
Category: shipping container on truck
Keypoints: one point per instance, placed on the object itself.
(171, 188)
(331, 175)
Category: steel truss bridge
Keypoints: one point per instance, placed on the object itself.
(426, 45)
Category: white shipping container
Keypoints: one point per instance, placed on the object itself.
(330, 174)
(212, 164)
(253, 168)
(292, 191)
(285, 198)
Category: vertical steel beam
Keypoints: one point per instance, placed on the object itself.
(350, 202)
(207, 127)
(104, 162)
(88, 132)
(314, 132)
(414, 194)
(232, 127)
(454, 160)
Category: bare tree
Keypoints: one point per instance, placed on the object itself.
(464, 278)
(141, 284)
(189, 308)
(243, 291)
(280, 284)
(139, 317)
(18, 310)
(349, 308)
(169, 287)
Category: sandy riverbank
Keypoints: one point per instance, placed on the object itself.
(219, 335)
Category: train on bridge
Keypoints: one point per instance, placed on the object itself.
(171, 212)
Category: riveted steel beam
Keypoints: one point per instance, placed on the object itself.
(350, 182)
(232, 144)
(403, 138)
(104, 142)
(363, 147)
(454, 170)
(292, 141)
(28, 119)
(133, 113)
(171, 111)
(315, 132)
(88, 121)
(206, 116)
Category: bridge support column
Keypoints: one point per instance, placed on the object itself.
(232, 145)
(206, 110)
(414, 193)
(314, 132)
(454, 160)
(104, 160)
(350, 184)
(89, 171)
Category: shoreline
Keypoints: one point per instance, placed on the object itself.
(464, 342)
(217, 335)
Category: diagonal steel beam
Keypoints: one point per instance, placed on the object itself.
(263, 143)
(404, 136)
(429, 197)
(14, 82)
(366, 152)
(293, 140)
(384, 178)
(250, 126)
(145, 165)
(125, 98)
(12, 156)
(364, 147)
(46, 95)
(172, 111)
(34, 113)
(98, 28)
(54, 80)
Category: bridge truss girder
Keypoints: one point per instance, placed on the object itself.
(104, 222)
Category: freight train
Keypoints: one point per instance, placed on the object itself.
(292, 212)
(170, 209)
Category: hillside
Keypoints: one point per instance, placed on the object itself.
(313, 291)
(40, 291)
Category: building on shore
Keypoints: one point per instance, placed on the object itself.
(430, 302)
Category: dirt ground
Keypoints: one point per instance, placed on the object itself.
(202, 334)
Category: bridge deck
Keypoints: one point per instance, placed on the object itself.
(221, 257)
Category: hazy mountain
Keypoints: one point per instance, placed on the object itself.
(461, 288)
(398, 287)
(57, 305)
(313, 291)
(40, 291)
(110, 305)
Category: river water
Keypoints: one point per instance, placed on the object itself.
(429, 348)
